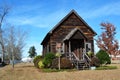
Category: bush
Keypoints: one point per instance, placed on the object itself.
(37, 57)
(40, 64)
(55, 63)
(47, 61)
(103, 57)
(64, 63)
(36, 60)
(95, 61)
(90, 54)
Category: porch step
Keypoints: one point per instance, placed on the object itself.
(81, 65)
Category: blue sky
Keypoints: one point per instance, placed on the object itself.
(40, 16)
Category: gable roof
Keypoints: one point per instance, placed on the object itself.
(72, 33)
(72, 11)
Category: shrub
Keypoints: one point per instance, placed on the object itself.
(55, 63)
(40, 64)
(37, 57)
(58, 54)
(95, 61)
(103, 57)
(90, 54)
(64, 63)
(47, 61)
(36, 60)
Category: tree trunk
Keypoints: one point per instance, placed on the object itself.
(13, 62)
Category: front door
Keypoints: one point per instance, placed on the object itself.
(76, 46)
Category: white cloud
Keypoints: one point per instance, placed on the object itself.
(37, 20)
(106, 10)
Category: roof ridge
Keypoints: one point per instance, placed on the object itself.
(72, 11)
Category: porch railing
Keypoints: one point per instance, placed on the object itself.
(87, 59)
(75, 60)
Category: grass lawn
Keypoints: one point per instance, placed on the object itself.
(27, 71)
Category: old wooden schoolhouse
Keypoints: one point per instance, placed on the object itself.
(71, 35)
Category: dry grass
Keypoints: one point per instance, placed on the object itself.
(29, 72)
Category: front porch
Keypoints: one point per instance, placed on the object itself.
(76, 42)
(75, 47)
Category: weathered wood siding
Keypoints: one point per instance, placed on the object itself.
(69, 24)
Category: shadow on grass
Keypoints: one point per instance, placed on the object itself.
(106, 68)
(57, 70)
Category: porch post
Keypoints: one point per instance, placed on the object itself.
(70, 50)
(63, 48)
(69, 47)
(84, 50)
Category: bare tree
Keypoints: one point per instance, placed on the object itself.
(15, 42)
(106, 41)
(4, 10)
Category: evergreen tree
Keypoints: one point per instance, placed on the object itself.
(32, 52)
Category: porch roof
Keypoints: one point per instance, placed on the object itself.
(72, 33)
